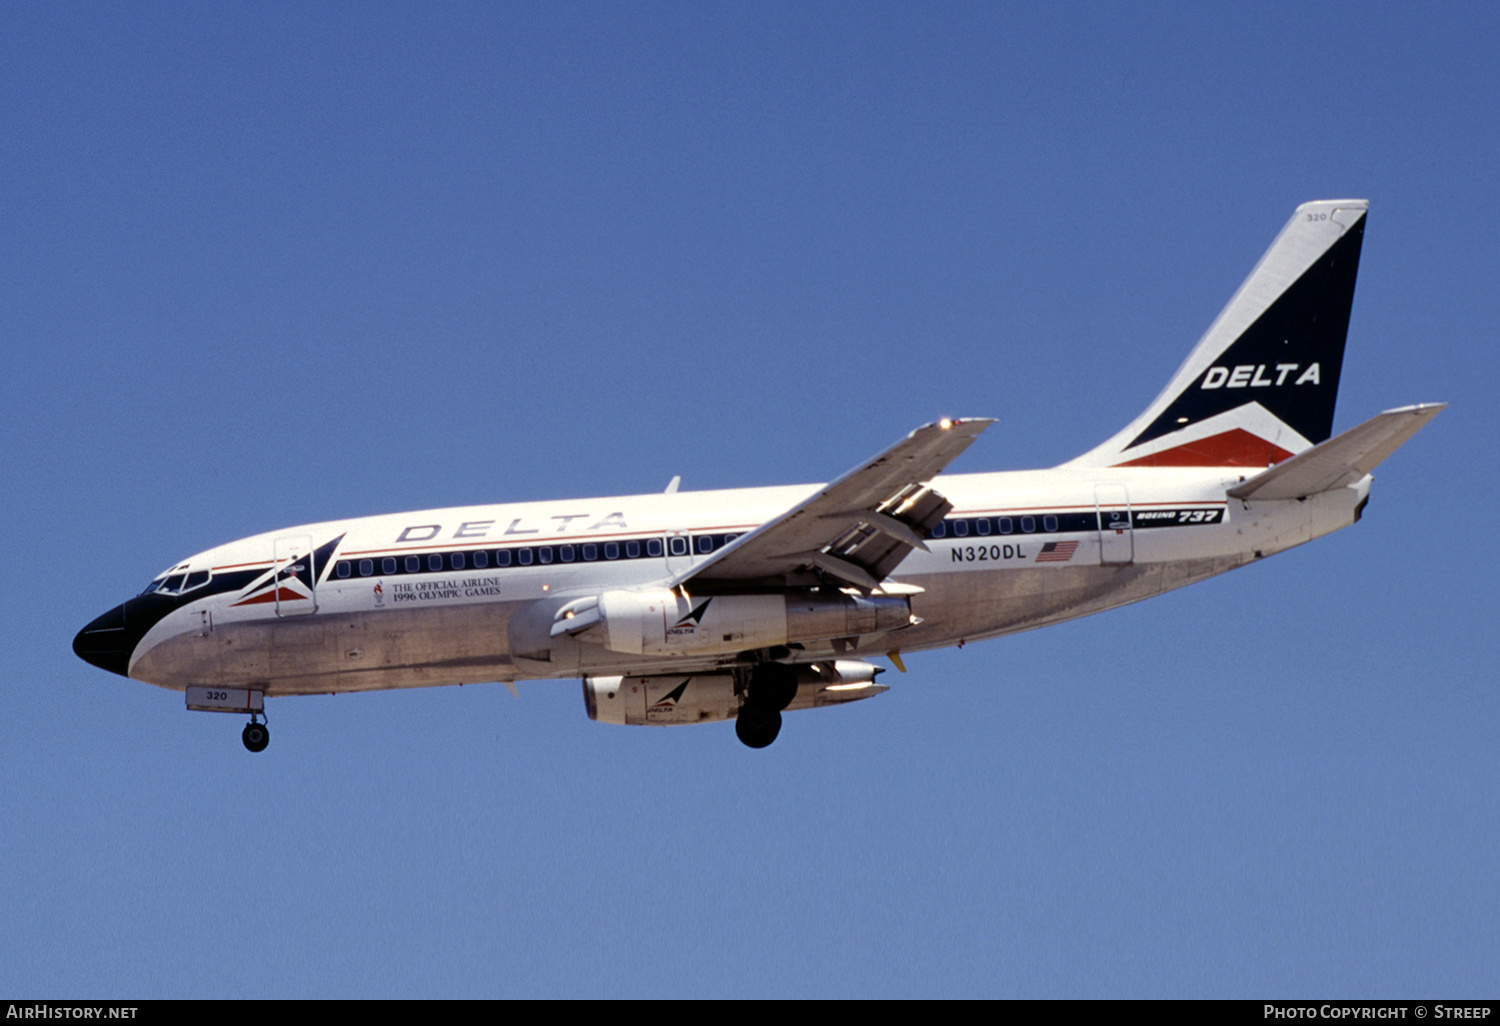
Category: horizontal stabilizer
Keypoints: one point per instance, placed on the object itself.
(1341, 460)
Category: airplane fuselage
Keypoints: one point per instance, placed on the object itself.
(428, 598)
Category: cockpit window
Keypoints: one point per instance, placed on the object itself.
(178, 580)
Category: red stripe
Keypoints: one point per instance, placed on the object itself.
(284, 594)
(1237, 448)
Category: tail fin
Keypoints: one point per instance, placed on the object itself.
(1260, 385)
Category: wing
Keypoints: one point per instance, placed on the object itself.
(855, 530)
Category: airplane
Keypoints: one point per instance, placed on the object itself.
(696, 607)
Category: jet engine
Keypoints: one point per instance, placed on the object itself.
(663, 622)
(677, 698)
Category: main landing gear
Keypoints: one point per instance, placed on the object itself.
(772, 688)
(257, 735)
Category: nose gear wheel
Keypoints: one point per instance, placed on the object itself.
(256, 735)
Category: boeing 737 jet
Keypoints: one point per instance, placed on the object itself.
(695, 607)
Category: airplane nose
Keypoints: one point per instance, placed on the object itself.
(106, 643)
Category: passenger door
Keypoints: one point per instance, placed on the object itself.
(296, 587)
(1116, 537)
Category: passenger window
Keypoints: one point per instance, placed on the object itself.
(458, 560)
(653, 547)
(481, 559)
(590, 553)
(1028, 524)
(982, 525)
(939, 530)
(502, 557)
(413, 564)
(388, 565)
(1006, 527)
(523, 556)
(565, 553)
(366, 567)
(611, 550)
(960, 528)
(678, 545)
(705, 544)
(343, 568)
(435, 562)
(1049, 523)
(632, 550)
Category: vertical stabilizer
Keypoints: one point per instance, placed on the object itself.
(1261, 384)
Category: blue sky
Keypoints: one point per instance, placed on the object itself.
(264, 265)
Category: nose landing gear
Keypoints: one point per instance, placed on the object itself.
(256, 735)
(234, 700)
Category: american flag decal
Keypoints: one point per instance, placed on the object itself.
(1057, 552)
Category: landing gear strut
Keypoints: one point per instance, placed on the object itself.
(257, 735)
(772, 688)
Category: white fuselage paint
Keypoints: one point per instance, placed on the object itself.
(454, 627)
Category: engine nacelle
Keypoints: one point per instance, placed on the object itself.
(678, 698)
(664, 622)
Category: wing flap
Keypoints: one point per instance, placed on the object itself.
(860, 527)
(1341, 460)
